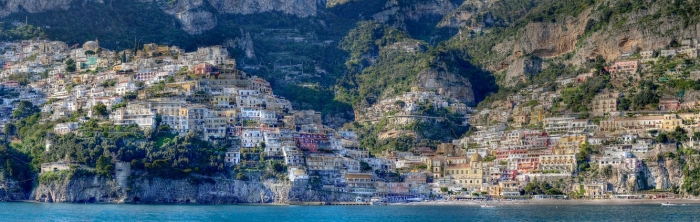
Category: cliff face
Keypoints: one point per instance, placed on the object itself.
(576, 37)
(92, 189)
(661, 174)
(11, 191)
(33, 6)
(195, 16)
(467, 15)
(447, 84)
(398, 14)
(301, 8)
(522, 68)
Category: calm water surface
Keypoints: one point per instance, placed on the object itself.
(114, 212)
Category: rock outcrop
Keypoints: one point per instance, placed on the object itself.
(662, 174)
(521, 69)
(447, 84)
(575, 37)
(468, 14)
(398, 13)
(301, 8)
(33, 6)
(195, 16)
(95, 189)
(11, 191)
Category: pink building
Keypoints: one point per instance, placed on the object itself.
(630, 67)
(669, 103)
(203, 69)
(583, 77)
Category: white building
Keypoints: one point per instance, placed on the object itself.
(64, 128)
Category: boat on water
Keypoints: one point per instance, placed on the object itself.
(487, 206)
(359, 199)
(377, 201)
(668, 204)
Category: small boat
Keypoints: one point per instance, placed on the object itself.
(668, 204)
(376, 201)
(359, 199)
(487, 206)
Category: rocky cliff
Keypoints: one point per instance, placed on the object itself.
(33, 6)
(659, 174)
(95, 189)
(447, 84)
(468, 15)
(605, 29)
(11, 191)
(301, 8)
(398, 13)
(195, 16)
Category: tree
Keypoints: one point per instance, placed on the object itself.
(661, 138)
(24, 109)
(241, 176)
(70, 65)
(364, 166)
(444, 189)
(99, 109)
(9, 129)
(278, 167)
(625, 104)
(104, 165)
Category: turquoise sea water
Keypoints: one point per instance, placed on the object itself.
(115, 212)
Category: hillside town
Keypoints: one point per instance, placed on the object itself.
(513, 142)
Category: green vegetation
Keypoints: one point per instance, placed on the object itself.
(24, 109)
(316, 98)
(540, 188)
(583, 157)
(395, 71)
(99, 144)
(578, 98)
(100, 109)
(16, 166)
(20, 32)
(676, 136)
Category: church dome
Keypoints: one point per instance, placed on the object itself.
(476, 157)
(91, 45)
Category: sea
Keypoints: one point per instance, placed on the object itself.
(126, 212)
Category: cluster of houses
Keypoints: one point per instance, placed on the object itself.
(198, 92)
(522, 139)
(409, 107)
(516, 139)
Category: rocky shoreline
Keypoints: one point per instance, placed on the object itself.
(144, 190)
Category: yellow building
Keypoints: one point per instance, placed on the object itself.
(537, 115)
(561, 163)
(188, 87)
(469, 176)
(509, 188)
(570, 144)
(670, 122)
